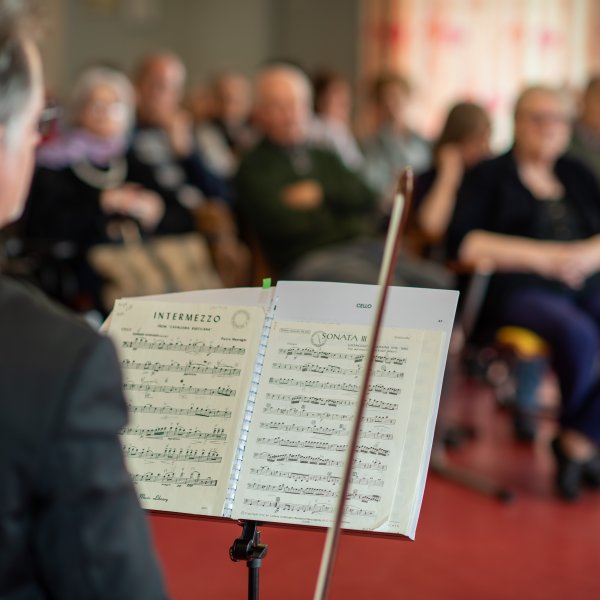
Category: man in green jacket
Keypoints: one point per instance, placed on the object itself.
(313, 217)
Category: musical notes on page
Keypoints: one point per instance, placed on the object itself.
(191, 411)
(165, 345)
(187, 370)
(169, 478)
(176, 432)
(181, 390)
(303, 418)
(171, 455)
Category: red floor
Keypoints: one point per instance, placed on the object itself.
(468, 546)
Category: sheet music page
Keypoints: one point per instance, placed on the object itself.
(303, 418)
(306, 403)
(419, 436)
(187, 370)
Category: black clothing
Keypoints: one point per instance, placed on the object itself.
(150, 147)
(493, 198)
(63, 207)
(70, 523)
(63, 220)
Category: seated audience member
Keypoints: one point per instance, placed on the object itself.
(585, 142)
(71, 526)
(164, 137)
(200, 102)
(164, 141)
(394, 144)
(331, 123)
(314, 218)
(463, 143)
(85, 183)
(223, 138)
(534, 215)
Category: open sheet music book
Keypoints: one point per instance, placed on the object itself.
(242, 400)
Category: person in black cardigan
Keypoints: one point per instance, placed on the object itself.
(534, 215)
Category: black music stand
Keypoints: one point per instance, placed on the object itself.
(248, 547)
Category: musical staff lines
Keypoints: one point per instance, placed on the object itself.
(183, 390)
(186, 380)
(309, 507)
(314, 429)
(313, 477)
(286, 488)
(172, 411)
(324, 355)
(189, 368)
(269, 409)
(174, 454)
(320, 354)
(323, 461)
(329, 385)
(320, 430)
(177, 432)
(142, 343)
(319, 445)
(333, 402)
(335, 370)
(183, 479)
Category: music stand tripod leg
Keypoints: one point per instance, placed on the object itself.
(248, 548)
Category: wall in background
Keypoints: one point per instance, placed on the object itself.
(208, 34)
(320, 34)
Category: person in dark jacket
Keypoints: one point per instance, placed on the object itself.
(71, 526)
(533, 215)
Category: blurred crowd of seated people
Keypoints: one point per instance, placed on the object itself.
(144, 154)
(315, 218)
(133, 149)
(270, 172)
(533, 215)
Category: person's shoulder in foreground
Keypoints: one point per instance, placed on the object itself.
(70, 522)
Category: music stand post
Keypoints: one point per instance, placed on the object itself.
(248, 548)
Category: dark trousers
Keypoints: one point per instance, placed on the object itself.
(570, 323)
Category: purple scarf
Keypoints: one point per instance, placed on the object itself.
(76, 145)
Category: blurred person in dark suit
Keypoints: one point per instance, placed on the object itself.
(71, 526)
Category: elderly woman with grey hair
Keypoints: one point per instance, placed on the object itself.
(91, 155)
(86, 181)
